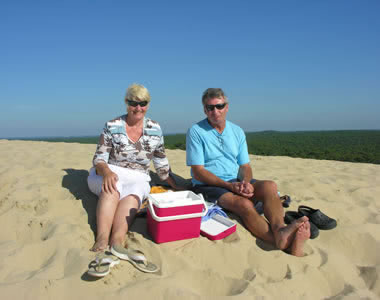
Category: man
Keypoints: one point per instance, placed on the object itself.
(217, 152)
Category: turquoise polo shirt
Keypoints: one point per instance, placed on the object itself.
(220, 153)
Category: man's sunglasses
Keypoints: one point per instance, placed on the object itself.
(135, 103)
(210, 107)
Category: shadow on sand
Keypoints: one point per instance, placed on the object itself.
(76, 182)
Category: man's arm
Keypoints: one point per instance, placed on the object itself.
(245, 175)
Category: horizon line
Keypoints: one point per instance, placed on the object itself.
(253, 131)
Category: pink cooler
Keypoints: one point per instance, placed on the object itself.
(175, 216)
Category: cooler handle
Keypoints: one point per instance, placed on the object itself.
(170, 218)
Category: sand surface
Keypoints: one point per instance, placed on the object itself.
(47, 221)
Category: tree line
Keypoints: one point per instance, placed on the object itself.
(342, 145)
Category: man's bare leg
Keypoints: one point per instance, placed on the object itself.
(301, 236)
(124, 216)
(105, 212)
(245, 209)
(277, 233)
(266, 191)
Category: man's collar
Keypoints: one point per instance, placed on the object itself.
(218, 128)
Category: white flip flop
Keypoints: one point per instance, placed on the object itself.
(135, 257)
(101, 266)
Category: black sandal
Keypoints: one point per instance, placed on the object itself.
(317, 217)
(285, 200)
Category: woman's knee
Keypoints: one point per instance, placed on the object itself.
(114, 196)
(131, 201)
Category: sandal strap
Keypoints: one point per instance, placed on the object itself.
(136, 255)
(307, 209)
(102, 261)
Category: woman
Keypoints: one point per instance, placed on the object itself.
(120, 176)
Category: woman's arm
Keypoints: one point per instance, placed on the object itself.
(160, 161)
(103, 149)
(170, 180)
(100, 160)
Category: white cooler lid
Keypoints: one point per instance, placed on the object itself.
(173, 199)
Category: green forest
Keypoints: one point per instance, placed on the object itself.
(343, 145)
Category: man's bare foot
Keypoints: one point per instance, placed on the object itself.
(301, 236)
(285, 235)
(101, 244)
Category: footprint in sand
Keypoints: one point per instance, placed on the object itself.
(373, 218)
(201, 281)
(370, 275)
(289, 273)
(42, 206)
(249, 275)
(347, 290)
(45, 264)
(238, 288)
(324, 257)
(363, 203)
(347, 242)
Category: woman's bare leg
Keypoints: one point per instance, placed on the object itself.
(105, 212)
(123, 219)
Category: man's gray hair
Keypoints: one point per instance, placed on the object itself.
(213, 93)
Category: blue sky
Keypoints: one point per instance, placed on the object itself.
(285, 65)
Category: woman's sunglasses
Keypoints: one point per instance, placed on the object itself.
(135, 103)
(210, 107)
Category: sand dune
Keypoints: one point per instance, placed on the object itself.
(48, 221)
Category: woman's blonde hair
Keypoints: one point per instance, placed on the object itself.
(137, 92)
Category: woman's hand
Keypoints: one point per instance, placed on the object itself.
(109, 177)
(109, 182)
(173, 184)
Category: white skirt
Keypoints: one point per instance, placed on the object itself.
(130, 182)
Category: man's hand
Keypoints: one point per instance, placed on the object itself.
(243, 188)
(109, 182)
(246, 188)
